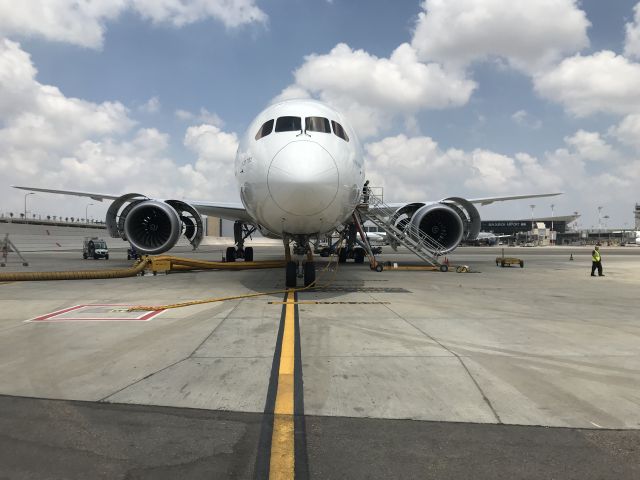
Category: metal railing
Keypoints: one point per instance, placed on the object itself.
(405, 233)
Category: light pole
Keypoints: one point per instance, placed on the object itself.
(552, 239)
(86, 220)
(25, 204)
(600, 218)
(532, 207)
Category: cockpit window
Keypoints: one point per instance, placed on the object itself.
(288, 124)
(339, 131)
(265, 129)
(317, 124)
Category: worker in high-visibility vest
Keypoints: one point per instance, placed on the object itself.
(596, 262)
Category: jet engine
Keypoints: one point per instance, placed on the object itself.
(153, 226)
(447, 222)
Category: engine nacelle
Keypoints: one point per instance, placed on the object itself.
(447, 222)
(440, 222)
(153, 226)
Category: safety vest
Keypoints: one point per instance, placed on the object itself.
(596, 256)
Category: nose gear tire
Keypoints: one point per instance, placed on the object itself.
(291, 272)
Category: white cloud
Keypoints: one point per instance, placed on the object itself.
(204, 116)
(632, 38)
(151, 106)
(525, 119)
(83, 22)
(591, 146)
(584, 85)
(40, 116)
(527, 34)
(430, 173)
(628, 130)
(215, 149)
(370, 90)
(49, 139)
(232, 13)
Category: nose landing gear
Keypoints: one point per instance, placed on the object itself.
(240, 233)
(297, 268)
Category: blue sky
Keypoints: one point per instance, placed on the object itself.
(496, 108)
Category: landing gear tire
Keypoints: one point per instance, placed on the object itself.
(106, 257)
(231, 254)
(358, 255)
(342, 255)
(291, 273)
(309, 273)
(248, 254)
(84, 255)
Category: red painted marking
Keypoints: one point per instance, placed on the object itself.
(51, 317)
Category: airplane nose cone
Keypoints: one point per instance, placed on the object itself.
(303, 178)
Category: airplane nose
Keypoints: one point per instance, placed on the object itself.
(303, 178)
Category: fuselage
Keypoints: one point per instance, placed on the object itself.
(300, 169)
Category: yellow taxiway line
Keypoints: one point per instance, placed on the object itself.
(282, 465)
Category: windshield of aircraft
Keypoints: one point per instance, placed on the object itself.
(317, 124)
(288, 124)
(265, 129)
(339, 131)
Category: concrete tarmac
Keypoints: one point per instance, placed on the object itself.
(405, 374)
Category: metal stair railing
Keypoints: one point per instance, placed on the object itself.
(424, 246)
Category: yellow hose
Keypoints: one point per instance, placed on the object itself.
(177, 263)
(236, 297)
(77, 275)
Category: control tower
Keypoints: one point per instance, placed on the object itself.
(637, 212)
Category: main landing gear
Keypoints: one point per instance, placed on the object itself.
(305, 269)
(240, 233)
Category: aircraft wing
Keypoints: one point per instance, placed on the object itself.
(229, 211)
(94, 196)
(489, 200)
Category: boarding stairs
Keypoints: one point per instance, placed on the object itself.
(374, 209)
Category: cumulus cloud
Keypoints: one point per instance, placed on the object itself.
(429, 172)
(584, 85)
(628, 130)
(151, 106)
(632, 37)
(49, 139)
(591, 146)
(215, 149)
(203, 116)
(40, 115)
(370, 89)
(529, 35)
(525, 119)
(83, 22)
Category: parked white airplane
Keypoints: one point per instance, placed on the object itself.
(300, 171)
